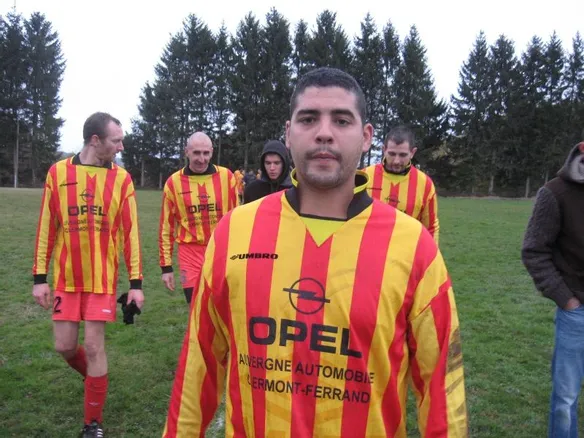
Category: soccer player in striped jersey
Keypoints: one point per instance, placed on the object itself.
(194, 200)
(88, 211)
(318, 304)
(398, 183)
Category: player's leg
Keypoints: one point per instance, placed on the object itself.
(66, 317)
(567, 372)
(190, 258)
(97, 309)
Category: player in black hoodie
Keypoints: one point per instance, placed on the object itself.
(275, 167)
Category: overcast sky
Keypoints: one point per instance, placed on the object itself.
(111, 47)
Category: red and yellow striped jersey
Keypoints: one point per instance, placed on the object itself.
(413, 193)
(320, 339)
(85, 210)
(192, 205)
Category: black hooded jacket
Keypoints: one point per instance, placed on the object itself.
(264, 186)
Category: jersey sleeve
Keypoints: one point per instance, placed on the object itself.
(430, 214)
(199, 378)
(131, 233)
(166, 230)
(436, 356)
(46, 233)
(233, 199)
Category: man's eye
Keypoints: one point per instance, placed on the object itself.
(342, 122)
(307, 120)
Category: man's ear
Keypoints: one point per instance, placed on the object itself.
(581, 147)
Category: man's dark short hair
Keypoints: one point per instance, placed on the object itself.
(330, 77)
(96, 124)
(400, 134)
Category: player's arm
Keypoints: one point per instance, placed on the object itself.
(543, 229)
(166, 231)
(430, 214)
(436, 367)
(45, 240)
(199, 377)
(132, 250)
(233, 199)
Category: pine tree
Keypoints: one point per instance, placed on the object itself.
(275, 72)
(574, 92)
(391, 61)
(329, 44)
(13, 96)
(504, 93)
(555, 127)
(417, 104)
(530, 113)
(368, 71)
(46, 68)
(172, 91)
(469, 114)
(159, 117)
(300, 63)
(200, 53)
(221, 94)
(247, 87)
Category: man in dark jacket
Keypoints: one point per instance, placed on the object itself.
(553, 253)
(275, 167)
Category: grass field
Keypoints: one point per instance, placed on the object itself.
(507, 330)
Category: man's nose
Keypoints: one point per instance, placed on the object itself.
(324, 134)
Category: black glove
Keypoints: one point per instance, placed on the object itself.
(129, 309)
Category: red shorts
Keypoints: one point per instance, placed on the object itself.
(190, 261)
(84, 306)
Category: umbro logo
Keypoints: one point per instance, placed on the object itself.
(203, 197)
(376, 188)
(254, 255)
(185, 193)
(68, 184)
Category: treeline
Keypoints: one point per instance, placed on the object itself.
(506, 130)
(31, 72)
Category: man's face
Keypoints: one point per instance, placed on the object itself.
(274, 165)
(106, 148)
(326, 136)
(398, 156)
(199, 152)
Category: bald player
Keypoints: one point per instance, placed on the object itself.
(195, 198)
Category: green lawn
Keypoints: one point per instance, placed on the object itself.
(507, 330)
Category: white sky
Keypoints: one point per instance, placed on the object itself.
(111, 47)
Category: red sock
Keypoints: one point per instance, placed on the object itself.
(95, 393)
(79, 362)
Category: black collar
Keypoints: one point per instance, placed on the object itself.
(403, 172)
(210, 171)
(77, 162)
(361, 200)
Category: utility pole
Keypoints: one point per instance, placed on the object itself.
(17, 136)
(16, 151)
